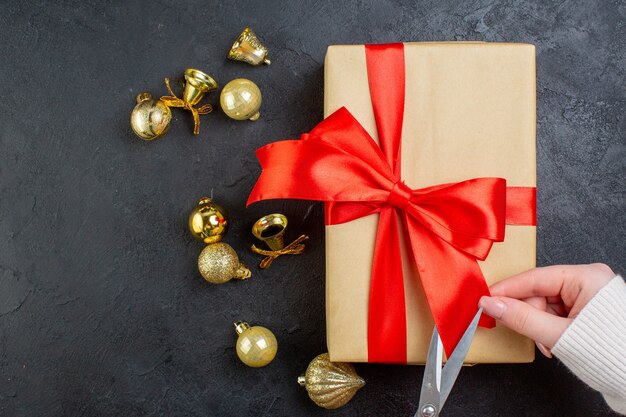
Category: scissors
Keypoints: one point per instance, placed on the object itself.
(438, 381)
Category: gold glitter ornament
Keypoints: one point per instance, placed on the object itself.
(207, 221)
(150, 119)
(218, 263)
(330, 384)
(241, 100)
(256, 346)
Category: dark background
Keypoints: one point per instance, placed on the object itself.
(102, 311)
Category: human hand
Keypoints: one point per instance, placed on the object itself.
(542, 302)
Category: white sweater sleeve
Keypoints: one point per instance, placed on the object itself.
(594, 345)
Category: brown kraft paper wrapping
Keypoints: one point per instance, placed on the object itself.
(469, 112)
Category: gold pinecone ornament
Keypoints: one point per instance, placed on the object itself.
(330, 384)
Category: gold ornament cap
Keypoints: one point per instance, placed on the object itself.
(249, 49)
(218, 263)
(150, 118)
(330, 384)
(241, 99)
(241, 326)
(208, 221)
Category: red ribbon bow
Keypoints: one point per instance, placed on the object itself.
(450, 226)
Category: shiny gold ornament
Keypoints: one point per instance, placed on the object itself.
(241, 100)
(207, 221)
(196, 86)
(218, 263)
(330, 384)
(247, 48)
(256, 346)
(270, 229)
(150, 119)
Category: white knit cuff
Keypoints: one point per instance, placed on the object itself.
(594, 345)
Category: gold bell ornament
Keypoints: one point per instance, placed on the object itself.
(271, 229)
(150, 119)
(247, 48)
(197, 84)
(330, 384)
(256, 346)
(218, 262)
(241, 100)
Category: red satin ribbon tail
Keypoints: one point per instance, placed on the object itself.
(452, 281)
(386, 332)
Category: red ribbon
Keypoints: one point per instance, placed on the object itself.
(450, 226)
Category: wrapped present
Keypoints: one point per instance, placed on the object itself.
(426, 165)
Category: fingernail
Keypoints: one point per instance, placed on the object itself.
(546, 352)
(492, 306)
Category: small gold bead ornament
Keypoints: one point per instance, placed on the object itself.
(208, 221)
(150, 119)
(218, 263)
(249, 49)
(330, 384)
(241, 100)
(256, 346)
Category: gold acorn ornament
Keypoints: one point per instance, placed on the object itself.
(256, 346)
(150, 119)
(207, 221)
(218, 263)
(247, 48)
(241, 100)
(330, 384)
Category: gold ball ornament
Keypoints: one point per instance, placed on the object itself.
(241, 100)
(330, 384)
(150, 119)
(256, 346)
(207, 221)
(218, 263)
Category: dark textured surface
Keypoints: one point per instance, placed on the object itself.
(102, 311)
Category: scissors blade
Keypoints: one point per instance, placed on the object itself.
(431, 381)
(455, 362)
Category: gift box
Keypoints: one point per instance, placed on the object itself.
(426, 165)
(469, 112)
